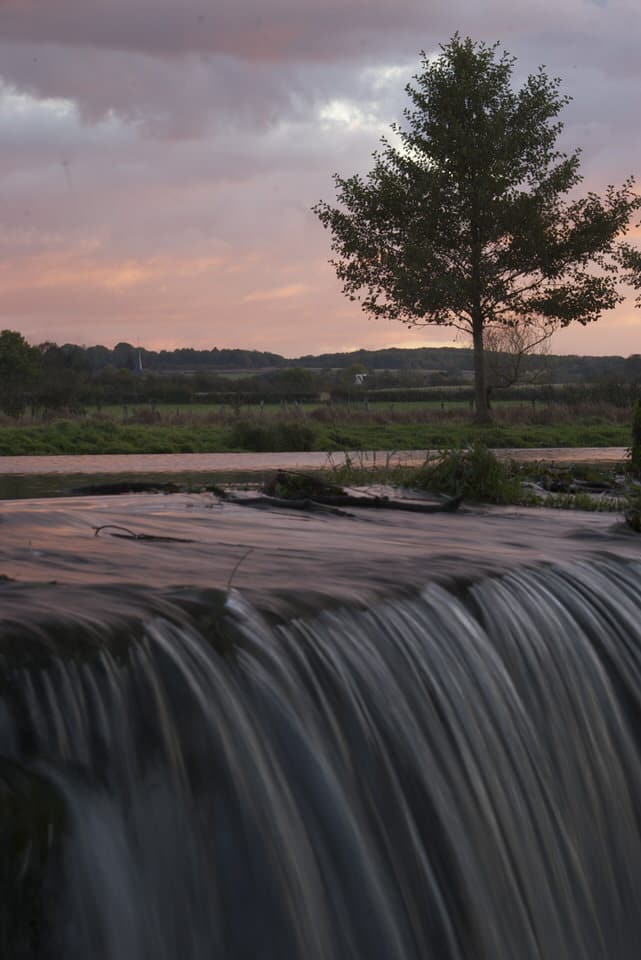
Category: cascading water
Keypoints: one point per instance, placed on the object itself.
(453, 776)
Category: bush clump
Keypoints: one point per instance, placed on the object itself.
(473, 472)
(635, 446)
(632, 511)
(271, 436)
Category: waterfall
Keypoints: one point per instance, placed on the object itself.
(454, 776)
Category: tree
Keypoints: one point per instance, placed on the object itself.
(629, 259)
(123, 356)
(62, 373)
(516, 354)
(464, 221)
(632, 368)
(19, 365)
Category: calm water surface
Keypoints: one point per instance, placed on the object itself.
(256, 462)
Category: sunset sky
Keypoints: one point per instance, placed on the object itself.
(159, 158)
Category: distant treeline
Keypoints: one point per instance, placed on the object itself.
(126, 356)
(49, 377)
(450, 360)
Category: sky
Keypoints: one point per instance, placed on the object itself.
(159, 159)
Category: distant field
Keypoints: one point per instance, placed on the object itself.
(401, 426)
(199, 410)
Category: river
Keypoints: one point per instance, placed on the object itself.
(257, 462)
(51, 476)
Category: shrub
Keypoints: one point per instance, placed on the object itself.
(633, 490)
(632, 509)
(276, 435)
(475, 472)
(635, 447)
(145, 415)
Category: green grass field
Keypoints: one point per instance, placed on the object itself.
(406, 427)
(186, 411)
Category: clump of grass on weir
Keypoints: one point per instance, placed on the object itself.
(473, 472)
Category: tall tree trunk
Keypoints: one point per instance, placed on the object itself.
(483, 414)
(488, 393)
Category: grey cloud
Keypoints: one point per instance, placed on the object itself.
(180, 69)
(168, 98)
(306, 30)
(280, 29)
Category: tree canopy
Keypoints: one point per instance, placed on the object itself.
(469, 218)
(19, 363)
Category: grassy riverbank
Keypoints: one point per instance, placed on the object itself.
(413, 426)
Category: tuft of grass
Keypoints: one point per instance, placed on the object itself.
(363, 467)
(635, 446)
(580, 501)
(475, 472)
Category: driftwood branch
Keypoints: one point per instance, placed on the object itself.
(332, 504)
(126, 534)
(237, 565)
(271, 503)
(384, 503)
(299, 477)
